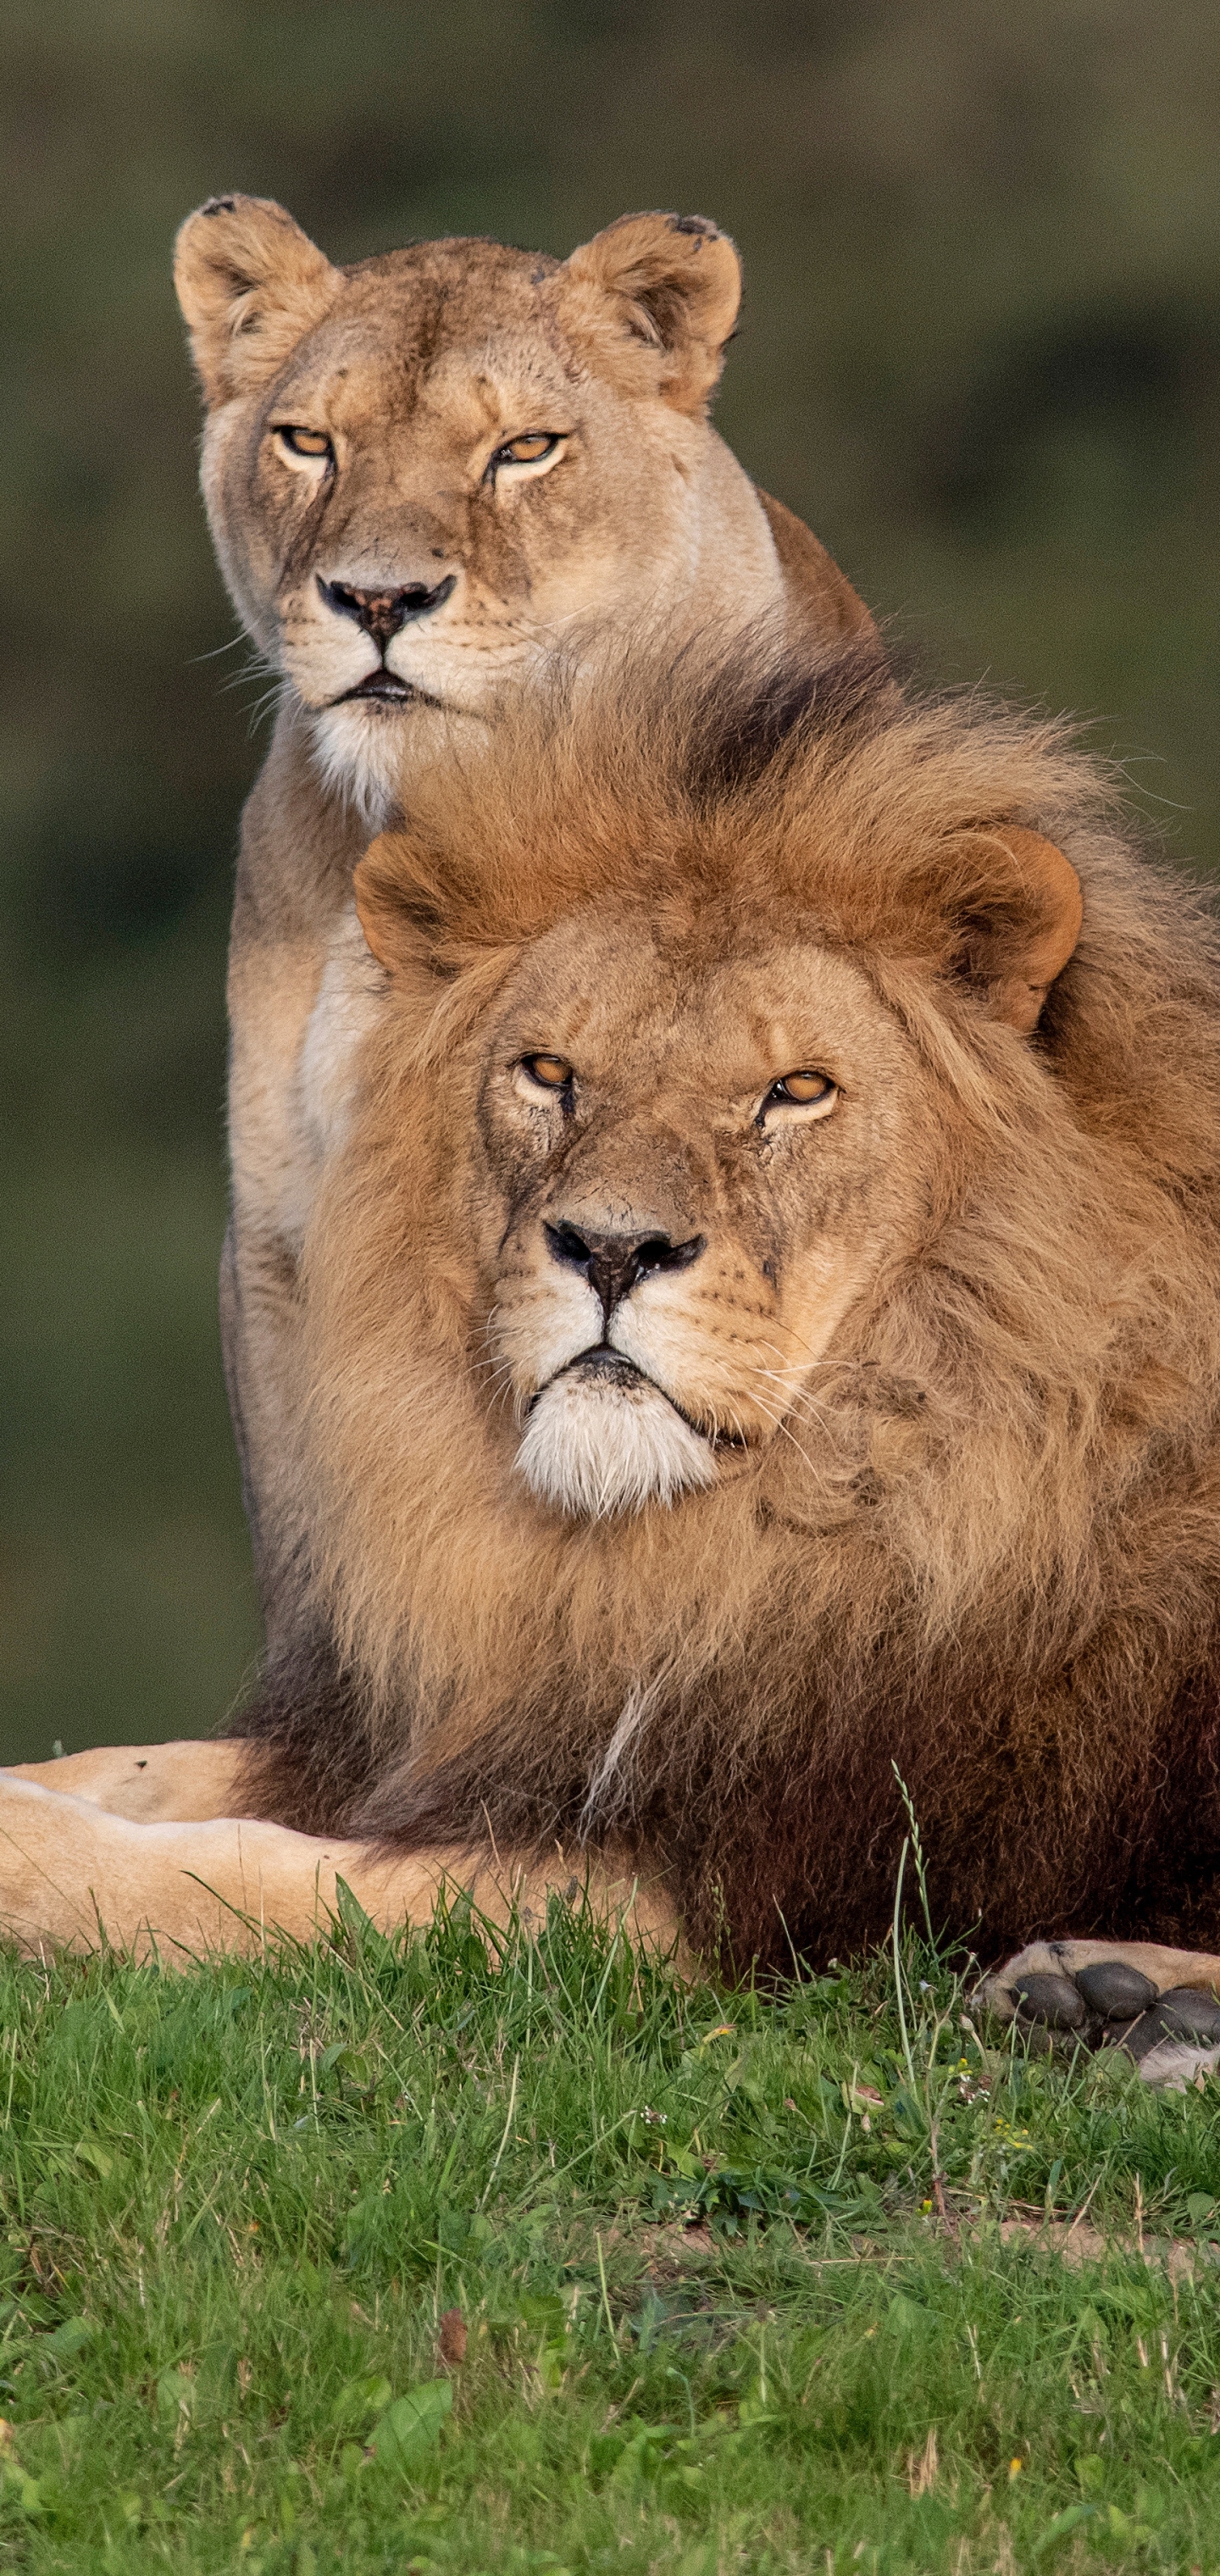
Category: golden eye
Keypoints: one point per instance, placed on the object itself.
(550, 1072)
(529, 449)
(306, 442)
(804, 1086)
(804, 1090)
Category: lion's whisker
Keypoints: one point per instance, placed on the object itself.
(782, 1426)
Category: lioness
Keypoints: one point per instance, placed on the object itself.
(763, 1331)
(425, 475)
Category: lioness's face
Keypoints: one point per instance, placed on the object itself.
(428, 473)
(693, 1166)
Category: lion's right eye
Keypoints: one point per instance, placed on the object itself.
(806, 1089)
(304, 442)
(533, 447)
(550, 1072)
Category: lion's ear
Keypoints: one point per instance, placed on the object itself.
(250, 284)
(1014, 943)
(384, 908)
(668, 285)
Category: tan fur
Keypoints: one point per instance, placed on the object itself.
(74, 1874)
(961, 1327)
(419, 366)
(150, 1784)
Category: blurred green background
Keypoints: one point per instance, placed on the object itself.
(980, 353)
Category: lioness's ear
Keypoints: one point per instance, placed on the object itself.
(666, 284)
(1015, 943)
(250, 284)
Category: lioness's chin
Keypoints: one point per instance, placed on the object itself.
(599, 1442)
(361, 746)
(358, 747)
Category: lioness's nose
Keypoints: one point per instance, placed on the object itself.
(613, 1263)
(382, 612)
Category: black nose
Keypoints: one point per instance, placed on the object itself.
(612, 1263)
(382, 612)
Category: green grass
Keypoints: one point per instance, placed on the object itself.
(714, 2316)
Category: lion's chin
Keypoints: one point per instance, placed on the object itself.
(600, 1439)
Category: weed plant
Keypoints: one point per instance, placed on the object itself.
(772, 2280)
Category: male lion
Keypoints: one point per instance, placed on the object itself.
(763, 1333)
(425, 475)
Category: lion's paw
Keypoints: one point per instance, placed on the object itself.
(1161, 2006)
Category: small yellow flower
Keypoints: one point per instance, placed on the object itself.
(1015, 2467)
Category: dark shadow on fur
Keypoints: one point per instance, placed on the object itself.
(763, 702)
(309, 1761)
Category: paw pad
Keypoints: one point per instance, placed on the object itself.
(1053, 2001)
(1114, 1991)
(1112, 2005)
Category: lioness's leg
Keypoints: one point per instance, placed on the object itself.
(232, 1353)
(287, 917)
(152, 1783)
(261, 1330)
(71, 1874)
(1161, 2005)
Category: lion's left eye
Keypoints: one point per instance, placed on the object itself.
(304, 442)
(803, 1090)
(550, 1072)
(529, 449)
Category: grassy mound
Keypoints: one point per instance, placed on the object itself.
(381, 2256)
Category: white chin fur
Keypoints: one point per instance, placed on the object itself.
(359, 751)
(594, 1445)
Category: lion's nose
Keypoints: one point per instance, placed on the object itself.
(614, 1263)
(382, 612)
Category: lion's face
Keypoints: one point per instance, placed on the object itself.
(669, 1142)
(425, 473)
(693, 1165)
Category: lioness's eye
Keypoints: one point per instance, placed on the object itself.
(305, 442)
(550, 1072)
(804, 1090)
(529, 449)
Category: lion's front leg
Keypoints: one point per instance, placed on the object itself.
(73, 1875)
(178, 1783)
(1161, 2005)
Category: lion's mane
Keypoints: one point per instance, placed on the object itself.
(990, 1561)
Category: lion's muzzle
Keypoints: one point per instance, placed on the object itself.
(601, 1438)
